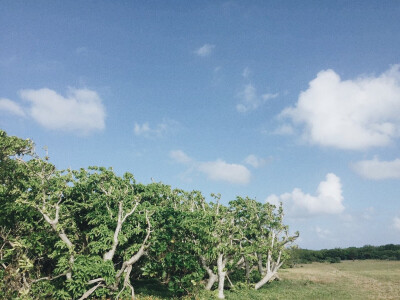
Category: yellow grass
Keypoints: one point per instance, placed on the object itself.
(368, 279)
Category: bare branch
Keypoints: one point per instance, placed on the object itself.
(121, 219)
(50, 278)
(139, 253)
(96, 280)
(90, 291)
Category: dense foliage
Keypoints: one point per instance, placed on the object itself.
(77, 234)
(385, 252)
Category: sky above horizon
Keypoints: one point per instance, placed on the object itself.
(292, 101)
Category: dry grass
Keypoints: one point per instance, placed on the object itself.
(367, 279)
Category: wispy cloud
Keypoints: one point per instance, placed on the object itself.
(246, 72)
(349, 114)
(217, 170)
(160, 130)
(11, 107)
(285, 129)
(249, 100)
(396, 223)
(377, 169)
(255, 161)
(322, 233)
(180, 157)
(205, 50)
(328, 199)
(81, 111)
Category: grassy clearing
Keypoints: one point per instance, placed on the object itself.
(368, 279)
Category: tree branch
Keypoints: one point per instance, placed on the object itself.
(90, 291)
(121, 219)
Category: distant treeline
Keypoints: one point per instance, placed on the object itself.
(385, 252)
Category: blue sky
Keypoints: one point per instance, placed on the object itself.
(292, 101)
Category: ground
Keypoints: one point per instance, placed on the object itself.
(367, 279)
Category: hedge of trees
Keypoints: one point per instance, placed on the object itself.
(78, 234)
(385, 252)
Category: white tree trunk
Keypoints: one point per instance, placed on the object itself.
(61, 233)
(121, 219)
(212, 278)
(221, 275)
(264, 280)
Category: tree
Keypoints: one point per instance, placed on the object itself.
(88, 233)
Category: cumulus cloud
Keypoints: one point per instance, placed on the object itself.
(396, 223)
(11, 107)
(180, 157)
(81, 111)
(217, 170)
(273, 199)
(255, 161)
(249, 100)
(285, 129)
(205, 50)
(377, 169)
(328, 199)
(158, 131)
(349, 114)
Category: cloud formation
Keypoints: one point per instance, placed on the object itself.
(349, 114)
(328, 199)
(246, 72)
(396, 223)
(205, 50)
(285, 129)
(217, 170)
(377, 169)
(180, 157)
(249, 100)
(158, 131)
(255, 161)
(81, 111)
(11, 107)
(322, 233)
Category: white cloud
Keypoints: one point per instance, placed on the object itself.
(328, 199)
(285, 129)
(322, 233)
(81, 111)
(273, 199)
(349, 114)
(246, 72)
(205, 50)
(11, 107)
(377, 169)
(255, 161)
(158, 131)
(180, 157)
(217, 170)
(396, 223)
(250, 100)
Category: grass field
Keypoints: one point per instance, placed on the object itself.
(368, 279)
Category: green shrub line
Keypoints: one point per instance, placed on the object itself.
(384, 252)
